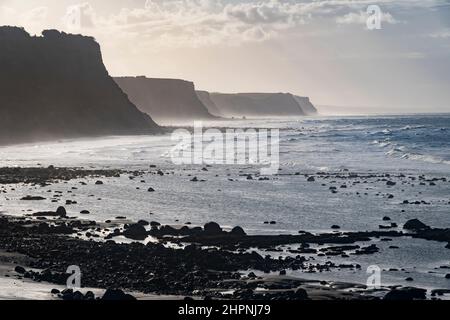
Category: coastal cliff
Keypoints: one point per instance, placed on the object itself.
(257, 104)
(306, 105)
(165, 100)
(56, 86)
(205, 98)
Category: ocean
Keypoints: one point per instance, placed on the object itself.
(404, 147)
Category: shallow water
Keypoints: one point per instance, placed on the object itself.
(412, 145)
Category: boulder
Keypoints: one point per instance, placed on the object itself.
(238, 231)
(212, 228)
(415, 225)
(117, 295)
(135, 232)
(406, 294)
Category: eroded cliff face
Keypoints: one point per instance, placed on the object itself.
(165, 100)
(205, 98)
(306, 105)
(56, 86)
(257, 104)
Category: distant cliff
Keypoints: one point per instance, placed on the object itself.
(205, 98)
(165, 100)
(306, 105)
(257, 104)
(56, 86)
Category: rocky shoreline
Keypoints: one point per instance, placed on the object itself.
(191, 270)
(205, 262)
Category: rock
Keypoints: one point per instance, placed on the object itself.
(194, 179)
(409, 279)
(85, 212)
(335, 227)
(117, 295)
(151, 190)
(212, 228)
(155, 224)
(20, 269)
(54, 291)
(406, 294)
(99, 182)
(386, 219)
(135, 232)
(61, 211)
(301, 294)
(32, 198)
(447, 276)
(238, 231)
(311, 179)
(282, 272)
(143, 223)
(415, 225)
(89, 296)
(391, 183)
(249, 177)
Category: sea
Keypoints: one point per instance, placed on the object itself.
(376, 147)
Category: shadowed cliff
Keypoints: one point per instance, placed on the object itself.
(165, 100)
(56, 86)
(205, 98)
(306, 105)
(257, 104)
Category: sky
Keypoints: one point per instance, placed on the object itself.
(323, 49)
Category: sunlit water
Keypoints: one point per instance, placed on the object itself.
(413, 145)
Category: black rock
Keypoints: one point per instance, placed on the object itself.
(212, 228)
(143, 223)
(391, 183)
(20, 270)
(54, 291)
(335, 227)
(238, 231)
(406, 294)
(61, 211)
(151, 190)
(135, 232)
(415, 225)
(301, 294)
(32, 198)
(98, 182)
(447, 276)
(311, 179)
(117, 295)
(85, 212)
(386, 219)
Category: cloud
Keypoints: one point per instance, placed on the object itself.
(361, 18)
(441, 34)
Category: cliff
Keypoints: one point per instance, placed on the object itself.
(56, 86)
(205, 98)
(257, 104)
(165, 100)
(306, 105)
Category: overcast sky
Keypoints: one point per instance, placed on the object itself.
(322, 49)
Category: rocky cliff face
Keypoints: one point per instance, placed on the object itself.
(165, 100)
(257, 104)
(205, 98)
(56, 86)
(306, 105)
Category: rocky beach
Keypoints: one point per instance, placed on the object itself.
(197, 261)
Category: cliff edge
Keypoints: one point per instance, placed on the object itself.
(56, 86)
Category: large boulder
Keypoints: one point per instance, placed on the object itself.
(212, 228)
(117, 295)
(415, 225)
(136, 232)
